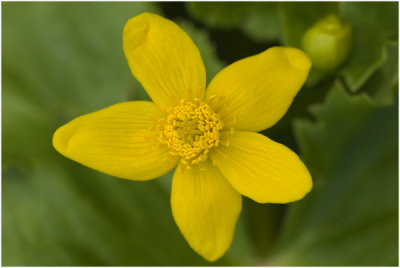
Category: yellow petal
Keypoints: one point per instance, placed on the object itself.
(117, 141)
(258, 90)
(205, 208)
(163, 59)
(261, 169)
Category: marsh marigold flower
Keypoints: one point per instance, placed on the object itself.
(208, 133)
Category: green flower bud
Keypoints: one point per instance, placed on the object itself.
(328, 43)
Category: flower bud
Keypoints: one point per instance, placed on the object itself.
(328, 43)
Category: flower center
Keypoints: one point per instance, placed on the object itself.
(190, 129)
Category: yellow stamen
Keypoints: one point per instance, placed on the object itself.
(190, 129)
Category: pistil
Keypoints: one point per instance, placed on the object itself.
(190, 130)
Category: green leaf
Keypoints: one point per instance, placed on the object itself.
(259, 21)
(210, 13)
(262, 22)
(67, 57)
(374, 23)
(350, 217)
(381, 86)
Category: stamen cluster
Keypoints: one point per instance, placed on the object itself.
(190, 129)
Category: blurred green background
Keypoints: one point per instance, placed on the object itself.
(62, 60)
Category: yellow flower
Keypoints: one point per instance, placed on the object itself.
(208, 133)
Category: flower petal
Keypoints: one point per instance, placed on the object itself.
(164, 59)
(117, 141)
(258, 90)
(261, 169)
(205, 208)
